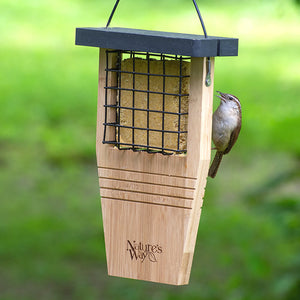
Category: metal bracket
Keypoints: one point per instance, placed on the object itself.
(208, 75)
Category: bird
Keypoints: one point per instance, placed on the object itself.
(226, 126)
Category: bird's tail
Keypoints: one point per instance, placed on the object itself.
(215, 164)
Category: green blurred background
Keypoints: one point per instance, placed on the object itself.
(51, 235)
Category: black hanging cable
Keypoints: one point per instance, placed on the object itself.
(195, 4)
(208, 62)
(200, 17)
(112, 13)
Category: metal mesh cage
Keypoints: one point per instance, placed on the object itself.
(151, 107)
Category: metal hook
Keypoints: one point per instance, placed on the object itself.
(208, 77)
(208, 62)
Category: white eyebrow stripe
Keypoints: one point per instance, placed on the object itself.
(236, 100)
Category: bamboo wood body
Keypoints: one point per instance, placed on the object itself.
(151, 203)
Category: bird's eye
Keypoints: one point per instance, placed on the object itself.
(230, 98)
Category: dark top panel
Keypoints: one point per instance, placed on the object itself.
(156, 41)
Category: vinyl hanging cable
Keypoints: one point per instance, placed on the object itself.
(112, 13)
(208, 62)
(195, 4)
(200, 18)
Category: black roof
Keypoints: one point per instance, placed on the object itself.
(156, 41)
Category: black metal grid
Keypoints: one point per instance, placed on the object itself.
(118, 105)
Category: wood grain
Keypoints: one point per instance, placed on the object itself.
(151, 203)
(157, 226)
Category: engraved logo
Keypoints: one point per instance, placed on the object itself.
(141, 251)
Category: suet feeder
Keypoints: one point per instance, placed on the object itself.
(154, 120)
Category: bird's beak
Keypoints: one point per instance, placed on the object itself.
(221, 96)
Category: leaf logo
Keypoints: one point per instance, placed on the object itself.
(141, 251)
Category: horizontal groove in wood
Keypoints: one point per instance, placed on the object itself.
(188, 183)
(146, 188)
(150, 203)
(145, 198)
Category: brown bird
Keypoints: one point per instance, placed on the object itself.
(226, 126)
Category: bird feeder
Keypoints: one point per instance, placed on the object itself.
(154, 120)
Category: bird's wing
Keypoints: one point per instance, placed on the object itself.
(233, 137)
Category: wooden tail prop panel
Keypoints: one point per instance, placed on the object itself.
(151, 203)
